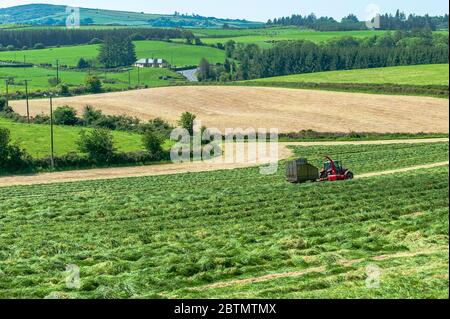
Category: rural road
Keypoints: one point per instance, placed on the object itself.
(190, 75)
(166, 169)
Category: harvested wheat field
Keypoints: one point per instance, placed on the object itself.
(286, 109)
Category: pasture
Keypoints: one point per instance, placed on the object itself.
(289, 110)
(235, 234)
(35, 138)
(39, 78)
(431, 74)
(175, 53)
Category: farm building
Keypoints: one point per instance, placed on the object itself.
(151, 63)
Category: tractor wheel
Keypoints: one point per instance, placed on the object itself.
(349, 175)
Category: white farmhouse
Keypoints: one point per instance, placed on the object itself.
(151, 63)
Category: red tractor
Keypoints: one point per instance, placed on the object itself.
(334, 171)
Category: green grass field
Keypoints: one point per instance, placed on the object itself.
(169, 236)
(433, 74)
(175, 53)
(35, 138)
(39, 78)
(266, 37)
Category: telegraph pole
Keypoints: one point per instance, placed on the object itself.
(57, 71)
(52, 157)
(129, 78)
(7, 93)
(27, 100)
(139, 77)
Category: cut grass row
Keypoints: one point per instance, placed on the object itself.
(161, 236)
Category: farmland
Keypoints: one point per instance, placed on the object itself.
(433, 74)
(162, 240)
(39, 78)
(266, 36)
(35, 138)
(286, 109)
(175, 53)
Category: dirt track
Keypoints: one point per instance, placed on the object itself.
(166, 169)
(286, 109)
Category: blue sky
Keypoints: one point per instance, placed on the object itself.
(258, 10)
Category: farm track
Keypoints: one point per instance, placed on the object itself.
(284, 152)
(288, 110)
(345, 263)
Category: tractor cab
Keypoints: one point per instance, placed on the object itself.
(328, 165)
(334, 171)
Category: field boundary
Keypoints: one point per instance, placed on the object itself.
(285, 152)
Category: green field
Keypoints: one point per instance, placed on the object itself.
(175, 53)
(39, 78)
(35, 138)
(433, 74)
(169, 236)
(266, 37)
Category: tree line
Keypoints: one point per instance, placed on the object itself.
(398, 21)
(294, 57)
(60, 36)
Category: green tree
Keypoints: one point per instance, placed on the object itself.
(90, 115)
(186, 121)
(83, 64)
(152, 141)
(116, 52)
(93, 84)
(98, 144)
(65, 115)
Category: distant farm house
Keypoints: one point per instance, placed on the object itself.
(152, 63)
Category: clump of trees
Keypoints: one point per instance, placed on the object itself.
(117, 52)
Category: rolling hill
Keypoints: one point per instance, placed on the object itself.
(45, 14)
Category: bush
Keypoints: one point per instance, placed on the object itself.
(10, 47)
(93, 84)
(83, 64)
(64, 89)
(65, 115)
(4, 108)
(90, 115)
(54, 81)
(12, 157)
(98, 144)
(152, 142)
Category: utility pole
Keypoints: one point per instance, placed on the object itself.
(139, 76)
(52, 157)
(27, 100)
(57, 71)
(129, 78)
(7, 93)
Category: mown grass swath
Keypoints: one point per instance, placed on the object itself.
(162, 236)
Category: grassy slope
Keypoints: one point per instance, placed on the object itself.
(35, 138)
(175, 53)
(159, 238)
(39, 77)
(433, 74)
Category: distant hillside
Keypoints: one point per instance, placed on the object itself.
(45, 14)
